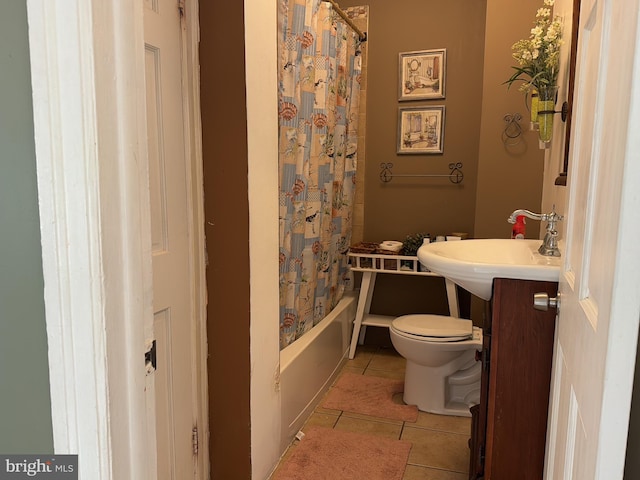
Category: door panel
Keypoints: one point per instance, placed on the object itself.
(164, 399)
(155, 142)
(172, 386)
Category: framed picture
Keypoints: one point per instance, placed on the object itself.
(421, 129)
(422, 74)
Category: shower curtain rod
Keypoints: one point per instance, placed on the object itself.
(361, 35)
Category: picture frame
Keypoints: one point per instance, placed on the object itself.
(422, 74)
(421, 130)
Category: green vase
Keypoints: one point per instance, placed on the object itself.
(546, 107)
(534, 109)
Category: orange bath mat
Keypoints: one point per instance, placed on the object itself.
(325, 453)
(369, 395)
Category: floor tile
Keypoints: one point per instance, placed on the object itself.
(363, 355)
(393, 374)
(398, 399)
(360, 425)
(286, 455)
(352, 369)
(321, 420)
(370, 418)
(446, 451)
(329, 411)
(444, 423)
(415, 472)
(440, 443)
(387, 359)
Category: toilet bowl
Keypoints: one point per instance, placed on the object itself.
(442, 374)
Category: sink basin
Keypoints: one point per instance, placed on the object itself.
(473, 264)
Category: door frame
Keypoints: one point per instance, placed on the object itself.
(87, 66)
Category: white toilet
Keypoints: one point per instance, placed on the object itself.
(442, 374)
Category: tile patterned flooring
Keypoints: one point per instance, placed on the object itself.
(440, 443)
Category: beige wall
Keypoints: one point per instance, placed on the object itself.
(509, 177)
(497, 180)
(410, 205)
(360, 17)
(405, 206)
(554, 158)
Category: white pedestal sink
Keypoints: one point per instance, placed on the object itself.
(473, 264)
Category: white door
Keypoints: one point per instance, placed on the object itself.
(600, 284)
(171, 387)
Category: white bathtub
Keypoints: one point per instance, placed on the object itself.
(309, 365)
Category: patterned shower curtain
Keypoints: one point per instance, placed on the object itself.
(319, 91)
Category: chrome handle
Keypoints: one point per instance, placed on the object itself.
(541, 301)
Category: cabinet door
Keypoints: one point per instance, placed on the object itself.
(519, 380)
(479, 412)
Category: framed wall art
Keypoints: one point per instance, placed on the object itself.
(421, 129)
(422, 74)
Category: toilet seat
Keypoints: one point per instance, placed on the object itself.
(433, 328)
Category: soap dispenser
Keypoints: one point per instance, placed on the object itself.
(519, 228)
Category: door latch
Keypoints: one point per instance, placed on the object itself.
(541, 301)
(150, 358)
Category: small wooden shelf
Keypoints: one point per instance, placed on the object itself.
(396, 264)
(371, 264)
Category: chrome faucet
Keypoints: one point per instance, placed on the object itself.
(549, 245)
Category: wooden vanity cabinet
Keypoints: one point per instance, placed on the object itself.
(510, 424)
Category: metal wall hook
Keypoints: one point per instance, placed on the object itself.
(512, 130)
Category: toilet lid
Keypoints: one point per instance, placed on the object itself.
(437, 326)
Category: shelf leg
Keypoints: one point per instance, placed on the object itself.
(364, 304)
(452, 297)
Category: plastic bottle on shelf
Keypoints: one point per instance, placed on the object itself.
(519, 228)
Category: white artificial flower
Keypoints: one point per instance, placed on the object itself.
(538, 56)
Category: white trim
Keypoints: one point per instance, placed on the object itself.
(195, 185)
(622, 348)
(88, 99)
(262, 142)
